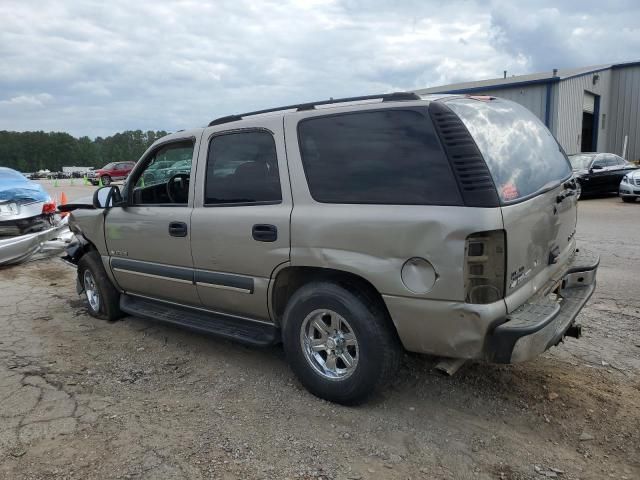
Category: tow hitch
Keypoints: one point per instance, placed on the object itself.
(574, 331)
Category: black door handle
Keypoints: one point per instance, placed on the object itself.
(178, 229)
(265, 233)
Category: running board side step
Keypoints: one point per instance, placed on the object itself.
(239, 329)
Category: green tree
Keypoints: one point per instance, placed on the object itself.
(32, 151)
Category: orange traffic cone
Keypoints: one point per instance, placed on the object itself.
(63, 201)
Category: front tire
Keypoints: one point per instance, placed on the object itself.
(628, 199)
(340, 344)
(106, 180)
(103, 300)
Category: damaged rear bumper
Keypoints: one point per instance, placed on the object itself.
(17, 249)
(488, 331)
(542, 322)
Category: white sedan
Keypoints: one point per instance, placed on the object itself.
(630, 186)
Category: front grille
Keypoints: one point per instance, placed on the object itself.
(638, 181)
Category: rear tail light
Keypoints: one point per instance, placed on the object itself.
(484, 267)
(48, 208)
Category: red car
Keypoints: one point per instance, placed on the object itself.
(112, 172)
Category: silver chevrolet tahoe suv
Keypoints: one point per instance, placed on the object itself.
(349, 230)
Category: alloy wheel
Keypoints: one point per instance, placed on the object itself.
(91, 291)
(329, 344)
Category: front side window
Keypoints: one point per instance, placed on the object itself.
(521, 153)
(161, 184)
(242, 168)
(581, 162)
(376, 157)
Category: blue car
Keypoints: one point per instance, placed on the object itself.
(25, 207)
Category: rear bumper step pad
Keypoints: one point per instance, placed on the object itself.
(542, 322)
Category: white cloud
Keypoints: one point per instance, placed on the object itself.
(168, 65)
(38, 100)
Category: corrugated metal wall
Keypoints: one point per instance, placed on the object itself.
(624, 118)
(534, 97)
(619, 92)
(570, 106)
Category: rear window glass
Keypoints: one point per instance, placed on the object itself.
(378, 157)
(521, 153)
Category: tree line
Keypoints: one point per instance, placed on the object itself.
(33, 151)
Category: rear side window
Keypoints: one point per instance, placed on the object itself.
(378, 157)
(242, 168)
(522, 155)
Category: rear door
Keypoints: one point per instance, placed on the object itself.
(530, 172)
(618, 170)
(240, 226)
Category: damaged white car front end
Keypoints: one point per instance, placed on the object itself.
(29, 221)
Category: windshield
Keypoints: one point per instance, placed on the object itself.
(521, 154)
(109, 166)
(580, 162)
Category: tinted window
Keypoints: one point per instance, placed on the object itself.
(599, 162)
(389, 156)
(521, 153)
(242, 168)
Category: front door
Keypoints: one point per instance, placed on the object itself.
(240, 226)
(149, 238)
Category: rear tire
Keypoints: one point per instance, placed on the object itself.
(628, 199)
(339, 343)
(103, 300)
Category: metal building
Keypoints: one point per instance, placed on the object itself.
(589, 109)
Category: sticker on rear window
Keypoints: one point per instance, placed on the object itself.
(509, 192)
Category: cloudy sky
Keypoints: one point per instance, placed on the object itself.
(95, 68)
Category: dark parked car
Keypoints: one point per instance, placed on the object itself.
(112, 172)
(599, 172)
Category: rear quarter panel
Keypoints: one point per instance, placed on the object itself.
(374, 241)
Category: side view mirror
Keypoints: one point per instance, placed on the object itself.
(107, 197)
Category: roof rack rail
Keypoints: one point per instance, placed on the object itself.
(386, 97)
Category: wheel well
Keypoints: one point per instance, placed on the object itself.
(77, 251)
(289, 280)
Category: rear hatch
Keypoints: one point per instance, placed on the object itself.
(533, 178)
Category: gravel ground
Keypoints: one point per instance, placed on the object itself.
(85, 399)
